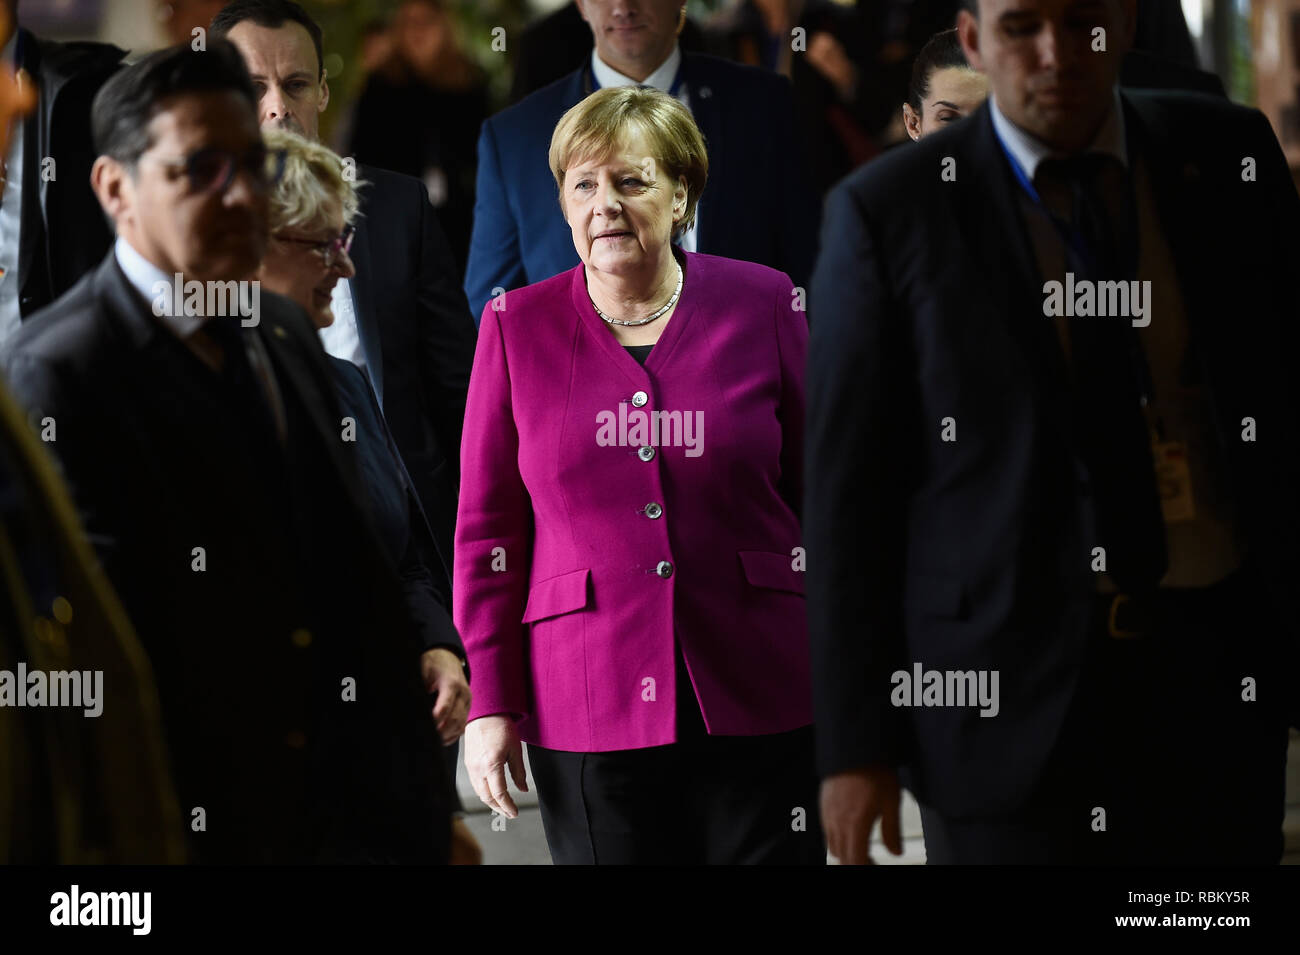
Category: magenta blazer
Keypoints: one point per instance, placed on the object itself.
(591, 530)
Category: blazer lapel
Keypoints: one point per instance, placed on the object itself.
(990, 219)
(363, 304)
(297, 382)
(705, 110)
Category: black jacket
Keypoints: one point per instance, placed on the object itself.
(973, 554)
(64, 233)
(286, 664)
(418, 338)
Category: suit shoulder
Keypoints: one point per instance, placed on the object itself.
(387, 189)
(69, 329)
(538, 111)
(722, 72)
(909, 169)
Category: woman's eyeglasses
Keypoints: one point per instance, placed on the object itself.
(331, 250)
(213, 170)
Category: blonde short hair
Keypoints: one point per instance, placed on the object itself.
(312, 185)
(595, 127)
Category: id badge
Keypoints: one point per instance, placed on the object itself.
(1174, 478)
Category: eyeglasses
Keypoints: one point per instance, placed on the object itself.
(213, 170)
(331, 250)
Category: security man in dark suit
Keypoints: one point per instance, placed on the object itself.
(402, 318)
(209, 462)
(51, 230)
(1051, 437)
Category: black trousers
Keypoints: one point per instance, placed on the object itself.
(704, 800)
(1161, 740)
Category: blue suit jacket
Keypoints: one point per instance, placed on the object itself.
(758, 205)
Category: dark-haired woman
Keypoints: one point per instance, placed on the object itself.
(944, 88)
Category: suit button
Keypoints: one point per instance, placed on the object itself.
(295, 739)
(639, 399)
(653, 510)
(301, 638)
(665, 569)
(646, 453)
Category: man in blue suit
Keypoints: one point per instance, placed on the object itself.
(759, 205)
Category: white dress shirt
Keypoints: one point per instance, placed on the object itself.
(342, 339)
(662, 80)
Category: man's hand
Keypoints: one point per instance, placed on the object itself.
(851, 803)
(491, 744)
(443, 675)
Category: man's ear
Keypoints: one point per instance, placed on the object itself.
(968, 32)
(112, 186)
(912, 121)
(581, 12)
(324, 93)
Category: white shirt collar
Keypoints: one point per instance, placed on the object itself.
(157, 288)
(661, 79)
(1029, 150)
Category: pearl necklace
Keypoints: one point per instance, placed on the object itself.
(645, 321)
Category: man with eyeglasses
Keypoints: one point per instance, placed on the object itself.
(208, 458)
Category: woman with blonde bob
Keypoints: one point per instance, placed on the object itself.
(628, 571)
(311, 212)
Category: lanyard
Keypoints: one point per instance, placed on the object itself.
(1070, 235)
(672, 90)
(1074, 239)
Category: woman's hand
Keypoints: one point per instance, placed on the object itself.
(491, 744)
(444, 676)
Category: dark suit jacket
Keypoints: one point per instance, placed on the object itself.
(757, 206)
(418, 338)
(73, 789)
(973, 554)
(63, 233)
(254, 647)
(395, 510)
(1148, 71)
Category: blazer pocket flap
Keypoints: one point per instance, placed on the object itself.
(556, 595)
(773, 571)
(934, 594)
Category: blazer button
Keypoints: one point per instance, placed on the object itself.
(295, 739)
(301, 638)
(639, 399)
(665, 569)
(653, 510)
(646, 453)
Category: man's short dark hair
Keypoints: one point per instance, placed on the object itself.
(129, 100)
(271, 14)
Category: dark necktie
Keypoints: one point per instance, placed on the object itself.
(1110, 373)
(242, 384)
